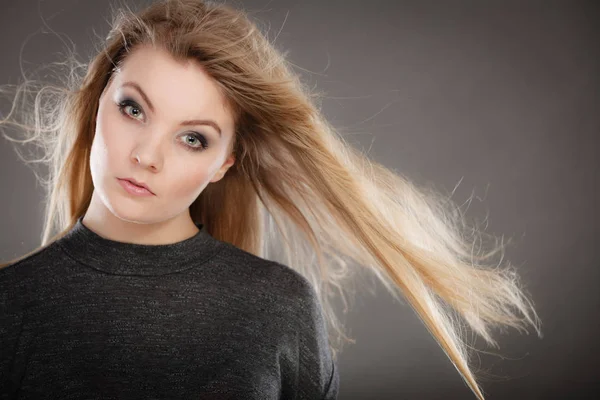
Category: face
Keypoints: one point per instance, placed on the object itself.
(162, 123)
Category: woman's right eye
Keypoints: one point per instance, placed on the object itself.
(130, 109)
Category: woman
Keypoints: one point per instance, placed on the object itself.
(186, 151)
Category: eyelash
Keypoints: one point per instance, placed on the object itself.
(130, 103)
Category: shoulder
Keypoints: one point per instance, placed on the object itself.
(32, 266)
(22, 280)
(264, 275)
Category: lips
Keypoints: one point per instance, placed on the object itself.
(137, 184)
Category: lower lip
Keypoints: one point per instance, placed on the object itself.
(134, 189)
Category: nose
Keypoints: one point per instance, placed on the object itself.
(148, 157)
(145, 160)
(149, 149)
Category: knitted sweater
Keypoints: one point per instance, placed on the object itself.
(87, 317)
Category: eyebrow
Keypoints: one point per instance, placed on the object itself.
(184, 123)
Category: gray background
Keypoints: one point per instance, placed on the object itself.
(500, 96)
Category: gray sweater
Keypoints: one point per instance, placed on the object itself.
(91, 318)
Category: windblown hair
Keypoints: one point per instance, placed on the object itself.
(329, 210)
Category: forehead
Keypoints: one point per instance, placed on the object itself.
(175, 87)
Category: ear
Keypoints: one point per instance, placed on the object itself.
(221, 172)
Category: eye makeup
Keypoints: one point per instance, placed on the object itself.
(131, 105)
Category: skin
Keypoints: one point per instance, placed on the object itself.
(152, 147)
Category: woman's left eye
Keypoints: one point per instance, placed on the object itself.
(198, 141)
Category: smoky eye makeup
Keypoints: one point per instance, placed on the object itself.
(202, 143)
(129, 108)
(129, 104)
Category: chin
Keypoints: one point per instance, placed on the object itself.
(130, 211)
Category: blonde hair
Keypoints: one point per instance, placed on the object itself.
(336, 212)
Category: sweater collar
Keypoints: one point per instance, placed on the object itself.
(122, 258)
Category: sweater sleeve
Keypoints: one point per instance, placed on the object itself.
(11, 319)
(318, 369)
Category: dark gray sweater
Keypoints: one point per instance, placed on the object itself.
(91, 318)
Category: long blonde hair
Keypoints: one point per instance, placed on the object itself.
(331, 210)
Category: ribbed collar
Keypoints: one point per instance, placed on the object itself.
(122, 258)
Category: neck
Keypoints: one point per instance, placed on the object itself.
(139, 231)
(127, 257)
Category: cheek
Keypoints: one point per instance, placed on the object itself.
(107, 145)
(187, 183)
(99, 152)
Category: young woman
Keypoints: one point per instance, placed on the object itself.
(185, 151)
